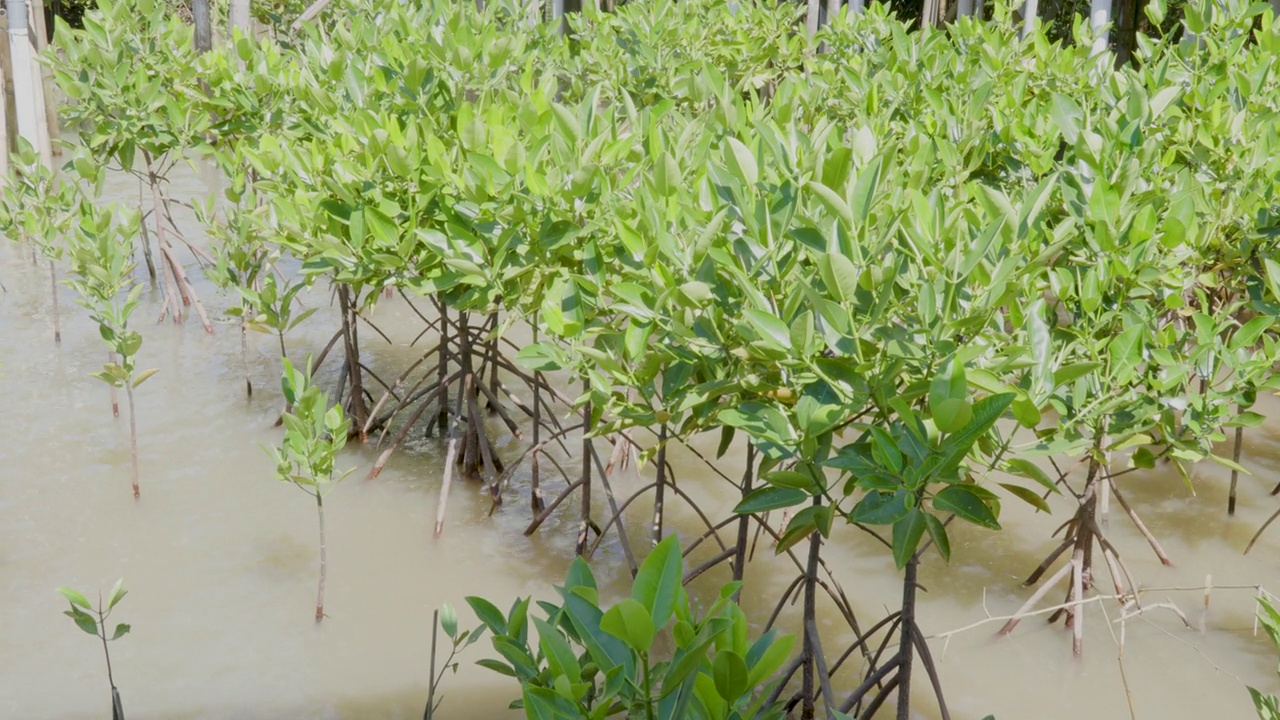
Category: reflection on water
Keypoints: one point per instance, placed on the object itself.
(220, 559)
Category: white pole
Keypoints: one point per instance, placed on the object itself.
(28, 100)
(1030, 9)
(4, 130)
(240, 16)
(1100, 19)
(40, 33)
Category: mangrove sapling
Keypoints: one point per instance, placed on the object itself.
(101, 273)
(589, 661)
(36, 209)
(314, 433)
(446, 618)
(1268, 706)
(94, 622)
(154, 112)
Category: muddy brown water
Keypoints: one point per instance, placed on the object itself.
(220, 559)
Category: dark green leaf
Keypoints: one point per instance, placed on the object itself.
(966, 504)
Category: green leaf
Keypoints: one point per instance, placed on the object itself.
(881, 508)
(966, 504)
(770, 498)
(542, 357)
(1028, 469)
(697, 292)
(952, 414)
(121, 630)
(770, 659)
(770, 328)
(938, 532)
(449, 620)
(1068, 116)
(117, 594)
(741, 162)
(83, 620)
(1125, 351)
(906, 536)
(556, 649)
(1249, 333)
(833, 203)
(789, 479)
(949, 383)
(1027, 496)
(497, 666)
(75, 598)
(490, 615)
(840, 276)
(144, 375)
(864, 190)
(1069, 373)
(657, 583)
(630, 622)
(729, 671)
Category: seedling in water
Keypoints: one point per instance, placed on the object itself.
(102, 271)
(314, 433)
(94, 621)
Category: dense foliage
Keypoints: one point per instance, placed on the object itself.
(917, 272)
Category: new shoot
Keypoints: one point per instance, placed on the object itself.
(314, 433)
(94, 621)
(102, 275)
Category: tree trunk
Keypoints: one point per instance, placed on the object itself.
(203, 28)
(1126, 36)
(906, 630)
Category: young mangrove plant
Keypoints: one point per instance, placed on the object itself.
(1268, 706)
(94, 621)
(102, 275)
(588, 661)
(35, 209)
(132, 77)
(446, 618)
(314, 433)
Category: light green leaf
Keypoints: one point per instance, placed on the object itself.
(657, 583)
(741, 162)
(630, 622)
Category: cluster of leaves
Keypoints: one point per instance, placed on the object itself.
(315, 432)
(590, 662)
(83, 612)
(101, 251)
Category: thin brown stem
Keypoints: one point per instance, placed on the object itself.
(57, 321)
(323, 557)
(133, 438)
